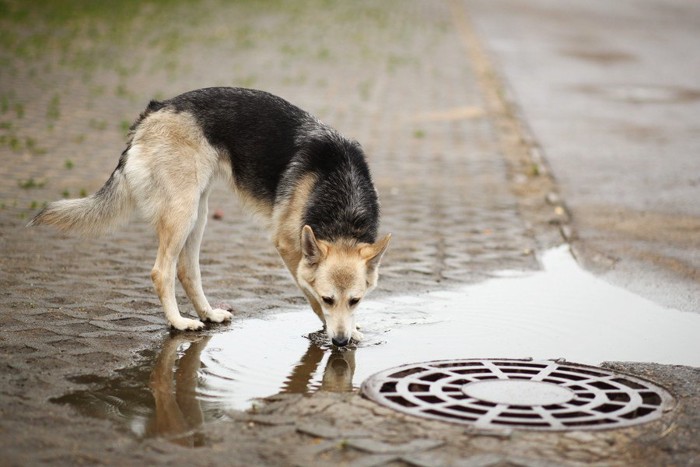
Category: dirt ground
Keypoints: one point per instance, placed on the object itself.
(461, 190)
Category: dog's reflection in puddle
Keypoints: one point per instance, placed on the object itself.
(337, 375)
(174, 380)
(161, 396)
(178, 412)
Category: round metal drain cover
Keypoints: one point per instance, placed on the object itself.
(538, 395)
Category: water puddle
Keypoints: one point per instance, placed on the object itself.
(559, 312)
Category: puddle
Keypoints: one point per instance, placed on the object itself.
(559, 312)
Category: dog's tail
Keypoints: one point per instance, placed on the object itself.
(95, 214)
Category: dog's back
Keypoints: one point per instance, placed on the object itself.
(272, 145)
(257, 131)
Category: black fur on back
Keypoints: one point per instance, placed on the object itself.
(271, 144)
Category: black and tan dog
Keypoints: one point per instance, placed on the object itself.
(311, 185)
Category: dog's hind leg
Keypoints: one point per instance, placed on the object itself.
(173, 227)
(169, 167)
(188, 268)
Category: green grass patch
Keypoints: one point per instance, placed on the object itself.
(96, 124)
(30, 184)
(124, 127)
(53, 111)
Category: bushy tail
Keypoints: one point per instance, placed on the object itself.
(94, 215)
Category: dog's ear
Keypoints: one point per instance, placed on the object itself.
(312, 250)
(373, 253)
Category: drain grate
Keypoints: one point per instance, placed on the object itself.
(538, 395)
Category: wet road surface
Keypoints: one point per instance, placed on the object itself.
(609, 92)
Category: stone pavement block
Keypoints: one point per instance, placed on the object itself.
(376, 460)
(378, 447)
(323, 430)
(272, 420)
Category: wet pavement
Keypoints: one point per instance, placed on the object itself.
(90, 373)
(561, 311)
(614, 108)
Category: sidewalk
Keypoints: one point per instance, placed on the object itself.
(458, 190)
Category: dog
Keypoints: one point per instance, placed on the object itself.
(310, 185)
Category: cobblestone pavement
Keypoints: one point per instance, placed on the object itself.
(459, 186)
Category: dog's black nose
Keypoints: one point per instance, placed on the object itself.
(342, 342)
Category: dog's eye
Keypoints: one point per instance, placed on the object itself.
(328, 300)
(354, 301)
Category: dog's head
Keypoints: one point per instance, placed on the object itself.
(338, 275)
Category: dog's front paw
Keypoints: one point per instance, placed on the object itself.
(186, 324)
(357, 336)
(217, 315)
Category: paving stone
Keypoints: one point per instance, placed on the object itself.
(378, 447)
(329, 432)
(376, 460)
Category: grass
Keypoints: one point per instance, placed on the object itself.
(87, 35)
(535, 170)
(14, 143)
(124, 126)
(90, 35)
(30, 184)
(31, 145)
(323, 54)
(94, 40)
(96, 124)
(121, 91)
(53, 111)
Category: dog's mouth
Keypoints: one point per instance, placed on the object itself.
(321, 339)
